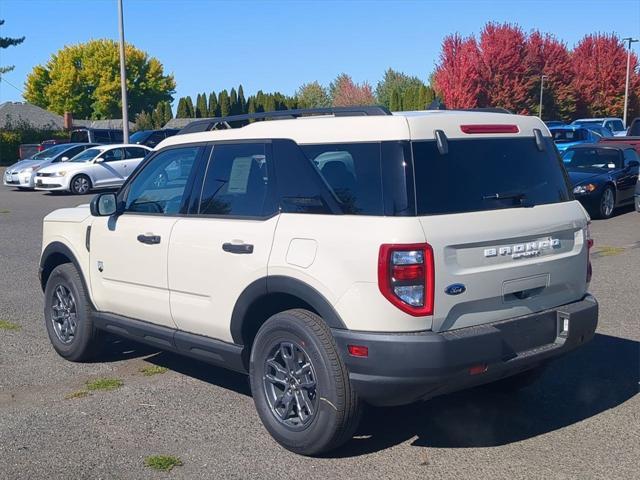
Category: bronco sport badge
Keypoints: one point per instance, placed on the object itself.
(523, 250)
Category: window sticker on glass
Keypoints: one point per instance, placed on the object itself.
(239, 176)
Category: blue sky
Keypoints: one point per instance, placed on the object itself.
(278, 45)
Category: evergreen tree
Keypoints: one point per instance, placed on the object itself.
(395, 104)
(144, 121)
(233, 102)
(242, 102)
(214, 110)
(224, 103)
(201, 106)
(251, 106)
(6, 42)
(182, 111)
(191, 112)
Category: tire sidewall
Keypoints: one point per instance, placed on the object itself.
(601, 212)
(321, 430)
(64, 275)
(73, 190)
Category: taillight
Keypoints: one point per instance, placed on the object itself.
(40, 148)
(485, 128)
(406, 277)
(587, 234)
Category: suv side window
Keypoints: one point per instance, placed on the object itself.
(352, 171)
(101, 136)
(160, 185)
(154, 139)
(113, 155)
(135, 152)
(237, 181)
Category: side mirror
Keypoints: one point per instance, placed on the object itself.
(98, 160)
(64, 159)
(104, 205)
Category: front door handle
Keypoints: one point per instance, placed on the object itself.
(241, 248)
(149, 239)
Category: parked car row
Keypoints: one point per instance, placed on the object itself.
(605, 127)
(76, 167)
(91, 160)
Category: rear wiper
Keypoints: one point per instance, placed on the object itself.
(504, 196)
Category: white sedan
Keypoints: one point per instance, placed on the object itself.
(104, 166)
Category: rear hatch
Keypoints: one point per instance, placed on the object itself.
(507, 236)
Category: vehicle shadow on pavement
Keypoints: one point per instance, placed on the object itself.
(118, 349)
(601, 375)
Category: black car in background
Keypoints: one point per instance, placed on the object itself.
(151, 138)
(603, 177)
(96, 135)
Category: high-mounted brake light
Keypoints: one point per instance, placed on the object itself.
(486, 128)
(406, 277)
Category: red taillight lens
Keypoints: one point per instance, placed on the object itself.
(358, 350)
(406, 277)
(587, 234)
(489, 129)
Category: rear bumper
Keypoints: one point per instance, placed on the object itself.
(405, 367)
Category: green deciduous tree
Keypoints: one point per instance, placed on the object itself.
(6, 42)
(313, 95)
(85, 79)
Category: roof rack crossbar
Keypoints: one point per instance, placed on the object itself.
(215, 123)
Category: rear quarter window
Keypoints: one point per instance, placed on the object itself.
(487, 174)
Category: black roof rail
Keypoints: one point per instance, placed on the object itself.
(220, 123)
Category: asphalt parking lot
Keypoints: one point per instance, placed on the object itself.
(582, 420)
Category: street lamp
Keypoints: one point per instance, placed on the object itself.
(626, 87)
(541, 92)
(123, 77)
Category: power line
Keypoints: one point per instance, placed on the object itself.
(11, 84)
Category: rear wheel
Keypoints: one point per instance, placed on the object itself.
(300, 385)
(67, 316)
(80, 184)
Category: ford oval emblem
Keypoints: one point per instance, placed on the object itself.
(455, 289)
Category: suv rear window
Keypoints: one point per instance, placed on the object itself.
(487, 174)
(79, 136)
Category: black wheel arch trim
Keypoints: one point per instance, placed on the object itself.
(281, 284)
(60, 248)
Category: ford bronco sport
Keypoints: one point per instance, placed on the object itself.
(342, 258)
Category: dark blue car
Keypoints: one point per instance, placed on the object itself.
(603, 177)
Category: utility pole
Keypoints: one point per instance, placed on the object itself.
(626, 85)
(123, 77)
(541, 92)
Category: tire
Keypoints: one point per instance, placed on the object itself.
(80, 184)
(335, 408)
(517, 382)
(607, 203)
(82, 342)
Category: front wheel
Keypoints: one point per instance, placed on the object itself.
(80, 184)
(607, 203)
(67, 315)
(300, 385)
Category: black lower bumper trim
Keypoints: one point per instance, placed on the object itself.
(404, 367)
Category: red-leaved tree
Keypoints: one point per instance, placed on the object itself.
(345, 92)
(599, 67)
(547, 56)
(457, 78)
(503, 49)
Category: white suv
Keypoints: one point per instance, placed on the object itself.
(103, 166)
(336, 259)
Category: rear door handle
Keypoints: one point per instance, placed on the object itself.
(149, 239)
(241, 248)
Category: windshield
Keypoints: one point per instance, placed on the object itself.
(87, 155)
(606, 158)
(50, 152)
(566, 135)
(487, 174)
(139, 137)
